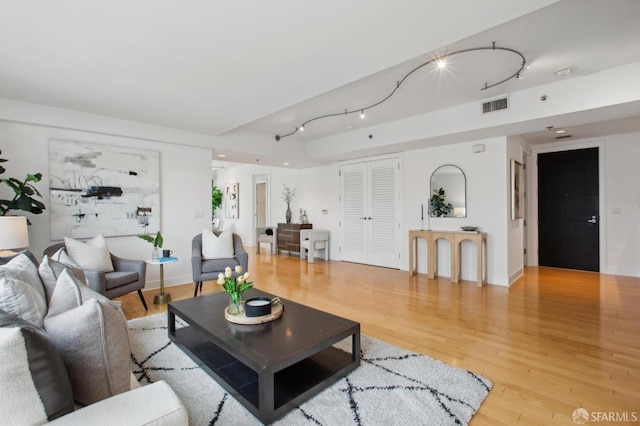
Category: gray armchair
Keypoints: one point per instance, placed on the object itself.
(208, 270)
(128, 275)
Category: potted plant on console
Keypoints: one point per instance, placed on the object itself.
(439, 206)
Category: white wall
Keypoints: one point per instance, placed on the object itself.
(623, 193)
(487, 204)
(185, 184)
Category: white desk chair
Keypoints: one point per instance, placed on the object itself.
(312, 240)
(263, 237)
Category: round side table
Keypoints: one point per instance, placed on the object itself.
(162, 297)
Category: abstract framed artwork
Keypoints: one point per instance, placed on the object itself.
(517, 190)
(100, 189)
(232, 201)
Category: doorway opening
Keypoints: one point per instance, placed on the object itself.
(261, 203)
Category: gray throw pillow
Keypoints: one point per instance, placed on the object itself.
(33, 378)
(69, 293)
(50, 270)
(94, 343)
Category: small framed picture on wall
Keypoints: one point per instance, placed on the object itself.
(232, 201)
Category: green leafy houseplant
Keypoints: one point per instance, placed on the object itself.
(439, 207)
(157, 241)
(216, 199)
(235, 284)
(24, 191)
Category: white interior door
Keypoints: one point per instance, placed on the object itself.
(370, 200)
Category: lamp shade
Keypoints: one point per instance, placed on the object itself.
(13, 232)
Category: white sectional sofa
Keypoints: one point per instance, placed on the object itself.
(66, 354)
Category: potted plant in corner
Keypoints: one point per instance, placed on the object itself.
(157, 242)
(24, 191)
(216, 202)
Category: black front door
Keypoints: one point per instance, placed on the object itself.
(568, 212)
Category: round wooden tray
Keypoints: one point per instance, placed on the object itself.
(276, 312)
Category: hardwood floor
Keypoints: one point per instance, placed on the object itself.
(555, 341)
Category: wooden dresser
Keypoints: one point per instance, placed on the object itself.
(289, 236)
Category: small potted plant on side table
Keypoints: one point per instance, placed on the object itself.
(157, 242)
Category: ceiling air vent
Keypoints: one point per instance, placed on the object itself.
(495, 105)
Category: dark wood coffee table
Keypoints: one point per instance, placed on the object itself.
(270, 368)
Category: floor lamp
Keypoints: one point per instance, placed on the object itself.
(14, 234)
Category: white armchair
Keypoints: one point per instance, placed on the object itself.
(267, 235)
(312, 240)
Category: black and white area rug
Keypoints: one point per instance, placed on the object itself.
(392, 386)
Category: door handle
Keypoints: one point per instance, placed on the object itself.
(592, 220)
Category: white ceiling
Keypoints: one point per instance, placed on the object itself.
(214, 67)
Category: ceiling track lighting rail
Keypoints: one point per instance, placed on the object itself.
(440, 62)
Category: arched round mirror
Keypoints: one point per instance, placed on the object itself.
(448, 197)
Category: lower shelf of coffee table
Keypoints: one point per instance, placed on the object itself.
(289, 382)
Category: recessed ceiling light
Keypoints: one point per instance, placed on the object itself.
(561, 72)
(285, 164)
(221, 155)
(560, 131)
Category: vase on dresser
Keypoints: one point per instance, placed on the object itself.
(288, 214)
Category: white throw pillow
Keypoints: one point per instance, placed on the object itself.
(94, 254)
(34, 380)
(217, 247)
(22, 268)
(22, 300)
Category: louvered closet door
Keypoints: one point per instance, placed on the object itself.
(383, 208)
(353, 241)
(370, 203)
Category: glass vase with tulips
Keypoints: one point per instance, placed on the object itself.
(235, 283)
